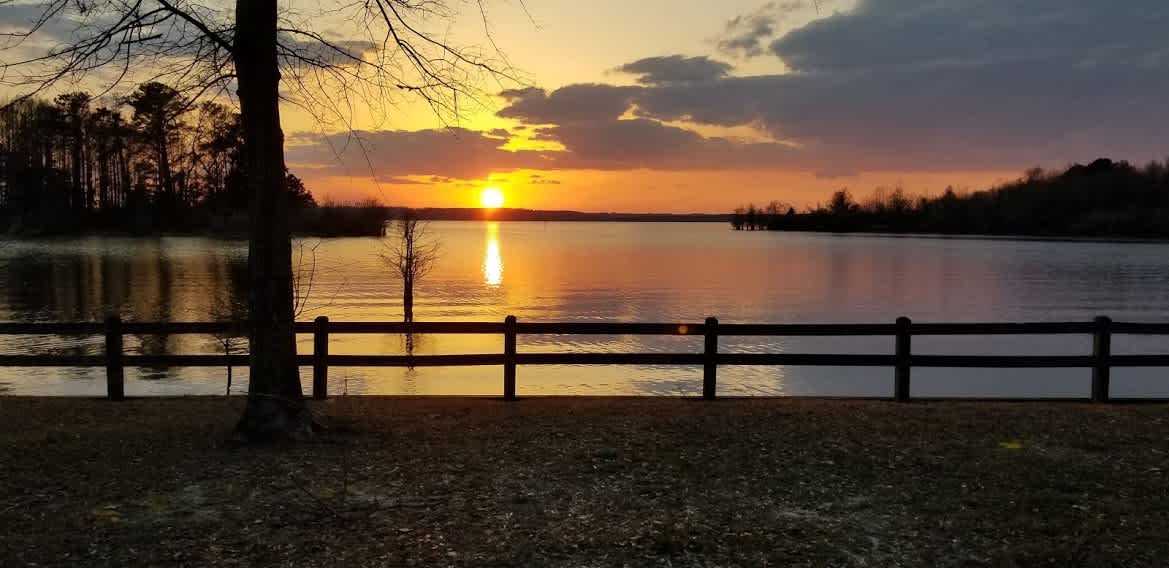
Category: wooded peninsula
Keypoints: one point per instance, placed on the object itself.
(1102, 199)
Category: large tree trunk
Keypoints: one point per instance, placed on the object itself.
(407, 300)
(276, 407)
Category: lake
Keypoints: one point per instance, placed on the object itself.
(629, 272)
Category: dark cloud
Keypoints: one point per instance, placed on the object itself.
(900, 84)
(624, 144)
(747, 35)
(978, 33)
(460, 154)
(582, 102)
(891, 85)
(388, 154)
(20, 18)
(935, 121)
(649, 144)
(672, 69)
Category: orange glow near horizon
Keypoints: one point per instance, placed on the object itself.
(638, 191)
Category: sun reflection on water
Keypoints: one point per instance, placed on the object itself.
(492, 260)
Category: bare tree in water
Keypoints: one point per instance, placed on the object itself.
(410, 253)
(229, 307)
(264, 51)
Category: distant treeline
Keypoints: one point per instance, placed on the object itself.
(508, 214)
(150, 162)
(1101, 199)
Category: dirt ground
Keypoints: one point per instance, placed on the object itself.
(587, 482)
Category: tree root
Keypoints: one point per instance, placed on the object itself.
(273, 419)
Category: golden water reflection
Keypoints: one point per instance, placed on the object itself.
(629, 272)
(492, 260)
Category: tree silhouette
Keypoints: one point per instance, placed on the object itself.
(95, 157)
(157, 110)
(110, 137)
(842, 203)
(411, 254)
(75, 116)
(218, 141)
(201, 49)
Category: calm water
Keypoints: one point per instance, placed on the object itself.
(610, 272)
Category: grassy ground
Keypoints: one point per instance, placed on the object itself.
(588, 482)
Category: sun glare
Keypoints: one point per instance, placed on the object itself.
(491, 198)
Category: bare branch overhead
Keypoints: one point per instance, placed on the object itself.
(335, 56)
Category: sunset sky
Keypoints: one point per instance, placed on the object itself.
(687, 105)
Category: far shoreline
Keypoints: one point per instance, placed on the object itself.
(616, 218)
(983, 236)
(370, 220)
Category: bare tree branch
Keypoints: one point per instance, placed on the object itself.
(411, 253)
(190, 44)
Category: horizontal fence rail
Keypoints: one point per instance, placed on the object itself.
(902, 360)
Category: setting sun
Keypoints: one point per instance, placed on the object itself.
(491, 197)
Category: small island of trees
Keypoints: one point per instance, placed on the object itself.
(1102, 199)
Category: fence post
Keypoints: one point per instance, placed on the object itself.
(321, 358)
(509, 350)
(901, 371)
(710, 366)
(1101, 352)
(115, 372)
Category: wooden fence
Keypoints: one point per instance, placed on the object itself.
(902, 360)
